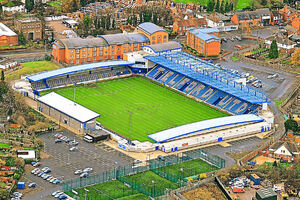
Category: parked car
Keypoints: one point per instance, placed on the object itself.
(60, 136)
(74, 143)
(88, 170)
(47, 170)
(37, 172)
(49, 178)
(32, 185)
(37, 164)
(52, 180)
(137, 161)
(79, 171)
(55, 193)
(17, 195)
(63, 196)
(40, 174)
(58, 141)
(84, 175)
(161, 158)
(57, 181)
(73, 149)
(58, 194)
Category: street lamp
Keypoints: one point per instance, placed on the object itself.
(85, 194)
(181, 169)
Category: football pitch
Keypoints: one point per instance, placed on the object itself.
(136, 107)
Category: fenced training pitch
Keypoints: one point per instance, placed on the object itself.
(138, 104)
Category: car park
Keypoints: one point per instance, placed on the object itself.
(79, 171)
(32, 185)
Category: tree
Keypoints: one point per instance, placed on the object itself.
(291, 124)
(2, 75)
(29, 5)
(264, 2)
(296, 58)
(217, 9)
(273, 53)
(22, 39)
(227, 6)
(274, 163)
(19, 162)
(210, 5)
(21, 121)
(222, 7)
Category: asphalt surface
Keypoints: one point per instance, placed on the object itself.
(64, 163)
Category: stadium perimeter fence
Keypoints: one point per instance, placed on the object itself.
(154, 165)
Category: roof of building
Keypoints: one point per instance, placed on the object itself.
(4, 30)
(207, 37)
(73, 43)
(194, 22)
(68, 107)
(256, 14)
(121, 38)
(217, 17)
(150, 28)
(209, 74)
(204, 30)
(177, 132)
(266, 193)
(161, 47)
(76, 68)
(29, 20)
(291, 147)
(275, 13)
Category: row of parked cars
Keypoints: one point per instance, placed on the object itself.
(232, 39)
(60, 195)
(61, 138)
(44, 174)
(83, 173)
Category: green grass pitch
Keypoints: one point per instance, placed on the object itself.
(109, 190)
(190, 168)
(154, 107)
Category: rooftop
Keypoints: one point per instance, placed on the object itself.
(150, 28)
(207, 37)
(4, 30)
(29, 19)
(68, 107)
(121, 38)
(172, 45)
(73, 43)
(209, 74)
(76, 68)
(177, 132)
(204, 30)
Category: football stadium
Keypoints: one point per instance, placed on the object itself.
(172, 101)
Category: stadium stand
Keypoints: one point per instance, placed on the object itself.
(78, 74)
(205, 81)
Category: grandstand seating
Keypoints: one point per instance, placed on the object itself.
(80, 77)
(206, 93)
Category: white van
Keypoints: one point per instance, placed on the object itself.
(88, 138)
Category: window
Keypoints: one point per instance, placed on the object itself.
(135, 45)
(71, 56)
(94, 58)
(77, 50)
(100, 53)
(112, 47)
(153, 38)
(77, 56)
(95, 49)
(118, 49)
(124, 51)
(158, 37)
(113, 52)
(71, 51)
(82, 60)
(101, 48)
(38, 26)
(106, 57)
(83, 50)
(71, 61)
(125, 46)
(89, 59)
(165, 37)
(94, 54)
(83, 55)
(77, 61)
(89, 54)
(105, 52)
(282, 151)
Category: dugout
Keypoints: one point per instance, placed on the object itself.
(98, 135)
(266, 194)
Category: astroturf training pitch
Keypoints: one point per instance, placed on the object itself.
(152, 107)
(107, 191)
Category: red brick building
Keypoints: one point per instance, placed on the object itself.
(259, 17)
(181, 26)
(7, 36)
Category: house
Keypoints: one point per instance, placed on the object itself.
(6, 63)
(285, 13)
(181, 26)
(290, 30)
(107, 47)
(296, 24)
(276, 17)
(216, 20)
(14, 9)
(282, 43)
(259, 17)
(154, 33)
(31, 27)
(7, 36)
(26, 154)
(284, 150)
(205, 41)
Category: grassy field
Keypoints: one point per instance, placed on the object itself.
(56, 4)
(31, 68)
(190, 168)
(108, 190)
(4, 145)
(154, 108)
(200, 2)
(241, 4)
(148, 180)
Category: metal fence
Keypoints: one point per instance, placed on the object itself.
(121, 172)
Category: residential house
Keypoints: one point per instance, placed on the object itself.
(31, 27)
(14, 9)
(7, 36)
(205, 41)
(181, 26)
(283, 43)
(259, 17)
(285, 12)
(284, 150)
(6, 63)
(220, 21)
(296, 24)
(276, 17)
